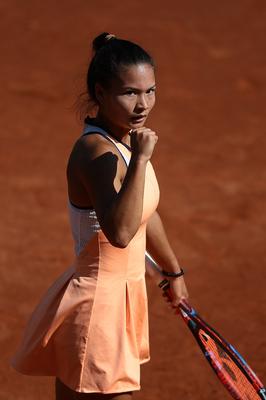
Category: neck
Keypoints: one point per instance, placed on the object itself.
(119, 133)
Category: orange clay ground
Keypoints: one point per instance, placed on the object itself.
(210, 163)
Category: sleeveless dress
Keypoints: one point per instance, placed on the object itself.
(91, 327)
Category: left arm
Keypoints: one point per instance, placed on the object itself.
(158, 246)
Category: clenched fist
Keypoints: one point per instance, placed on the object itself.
(142, 141)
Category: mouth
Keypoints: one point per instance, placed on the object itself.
(138, 118)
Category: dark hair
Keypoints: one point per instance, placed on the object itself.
(110, 53)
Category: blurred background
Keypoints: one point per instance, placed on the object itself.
(210, 163)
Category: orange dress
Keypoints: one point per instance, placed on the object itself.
(91, 327)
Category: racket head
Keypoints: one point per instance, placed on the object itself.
(230, 367)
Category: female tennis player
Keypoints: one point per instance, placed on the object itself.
(90, 330)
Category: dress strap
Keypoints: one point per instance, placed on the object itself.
(88, 128)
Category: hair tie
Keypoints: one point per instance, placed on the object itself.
(173, 274)
(110, 36)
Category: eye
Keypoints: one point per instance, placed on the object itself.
(151, 90)
(130, 93)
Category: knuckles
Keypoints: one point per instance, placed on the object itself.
(142, 132)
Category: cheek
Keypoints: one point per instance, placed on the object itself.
(126, 104)
(152, 102)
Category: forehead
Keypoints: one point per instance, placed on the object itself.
(136, 76)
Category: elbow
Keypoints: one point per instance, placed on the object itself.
(120, 242)
(120, 239)
(118, 236)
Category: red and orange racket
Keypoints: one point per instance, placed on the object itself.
(230, 367)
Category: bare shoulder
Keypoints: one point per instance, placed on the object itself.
(93, 154)
(89, 147)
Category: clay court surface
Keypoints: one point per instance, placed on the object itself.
(210, 163)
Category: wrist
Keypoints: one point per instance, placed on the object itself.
(139, 159)
(172, 266)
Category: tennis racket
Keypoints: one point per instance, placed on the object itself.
(230, 367)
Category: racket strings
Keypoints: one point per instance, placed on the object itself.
(227, 370)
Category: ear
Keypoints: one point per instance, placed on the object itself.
(99, 93)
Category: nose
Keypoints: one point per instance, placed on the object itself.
(142, 102)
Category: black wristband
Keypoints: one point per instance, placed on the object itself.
(173, 274)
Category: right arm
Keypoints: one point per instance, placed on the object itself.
(118, 200)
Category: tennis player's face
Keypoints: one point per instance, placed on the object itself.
(130, 97)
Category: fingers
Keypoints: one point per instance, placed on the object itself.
(170, 304)
(142, 133)
(176, 293)
(142, 142)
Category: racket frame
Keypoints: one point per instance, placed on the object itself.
(190, 316)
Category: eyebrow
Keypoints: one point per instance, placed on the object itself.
(132, 88)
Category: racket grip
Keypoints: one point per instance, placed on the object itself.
(165, 286)
(155, 271)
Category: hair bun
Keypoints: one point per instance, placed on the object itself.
(101, 40)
